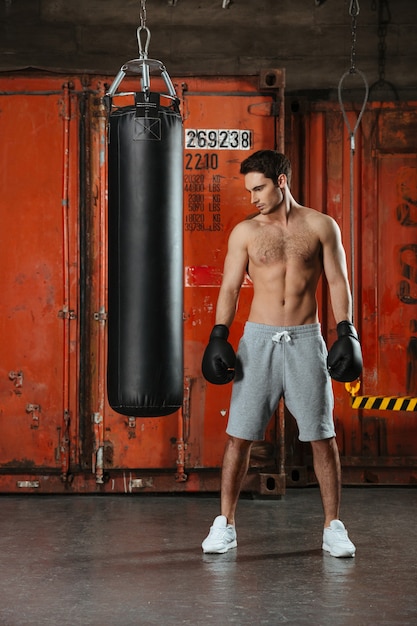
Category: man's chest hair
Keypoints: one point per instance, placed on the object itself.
(274, 244)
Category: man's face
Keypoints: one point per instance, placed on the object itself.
(265, 195)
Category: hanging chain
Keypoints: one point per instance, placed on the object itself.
(143, 30)
(384, 18)
(353, 12)
(142, 13)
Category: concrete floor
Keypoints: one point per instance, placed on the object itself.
(136, 560)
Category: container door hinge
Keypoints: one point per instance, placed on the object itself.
(35, 410)
(67, 314)
(101, 315)
(17, 378)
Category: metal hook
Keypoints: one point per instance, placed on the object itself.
(354, 8)
(365, 100)
(352, 152)
(143, 51)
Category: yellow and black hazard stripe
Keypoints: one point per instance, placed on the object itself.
(385, 403)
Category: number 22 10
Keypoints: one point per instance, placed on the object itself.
(197, 161)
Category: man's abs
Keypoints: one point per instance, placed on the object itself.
(284, 299)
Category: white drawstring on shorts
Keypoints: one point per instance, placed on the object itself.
(282, 336)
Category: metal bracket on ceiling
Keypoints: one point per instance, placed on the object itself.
(225, 3)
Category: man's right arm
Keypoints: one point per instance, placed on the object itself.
(233, 275)
(219, 358)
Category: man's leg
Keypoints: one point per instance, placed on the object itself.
(326, 462)
(234, 469)
(327, 467)
(222, 535)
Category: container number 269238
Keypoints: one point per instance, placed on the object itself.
(218, 139)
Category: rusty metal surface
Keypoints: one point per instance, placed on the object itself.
(385, 226)
(39, 275)
(57, 432)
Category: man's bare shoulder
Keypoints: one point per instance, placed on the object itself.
(246, 226)
(321, 222)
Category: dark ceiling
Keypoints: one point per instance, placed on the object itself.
(311, 39)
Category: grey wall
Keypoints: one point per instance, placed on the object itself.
(310, 38)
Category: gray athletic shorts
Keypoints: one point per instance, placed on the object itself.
(274, 362)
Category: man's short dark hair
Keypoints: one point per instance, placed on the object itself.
(269, 163)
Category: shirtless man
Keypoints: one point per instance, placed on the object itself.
(284, 248)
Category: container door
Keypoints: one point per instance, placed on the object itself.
(376, 445)
(397, 275)
(391, 277)
(221, 129)
(38, 281)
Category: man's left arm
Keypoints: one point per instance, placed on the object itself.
(344, 360)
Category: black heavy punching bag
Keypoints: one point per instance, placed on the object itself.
(145, 257)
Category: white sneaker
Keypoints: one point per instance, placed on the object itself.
(336, 540)
(221, 538)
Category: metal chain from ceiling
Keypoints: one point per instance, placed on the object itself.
(142, 13)
(384, 19)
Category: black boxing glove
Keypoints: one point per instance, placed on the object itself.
(219, 358)
(344, 360)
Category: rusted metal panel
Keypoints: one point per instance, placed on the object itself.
(384, 196)
(215, 200)
(39, 277)
(389, 277)
(57, 431)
